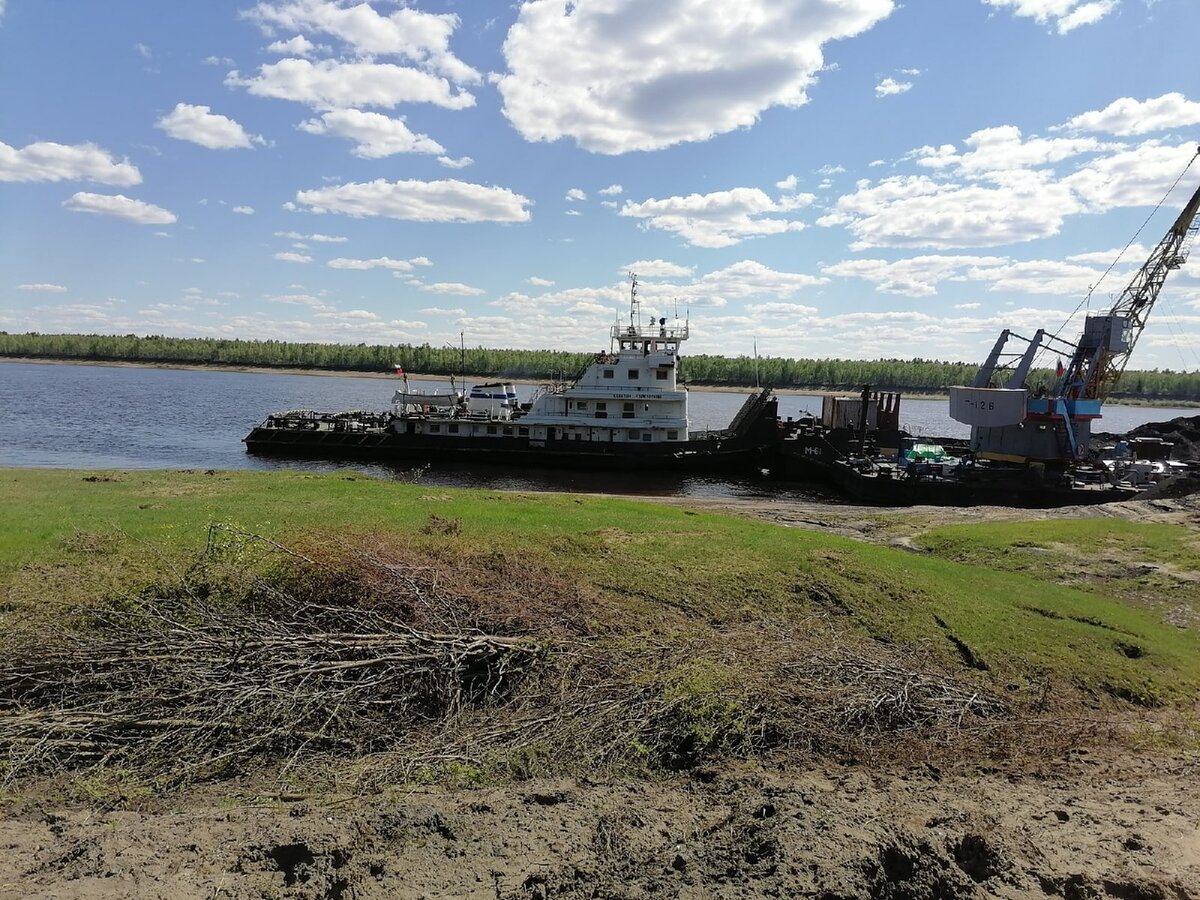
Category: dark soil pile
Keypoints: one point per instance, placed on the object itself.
(1183, 432)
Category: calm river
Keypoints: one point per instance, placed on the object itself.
(111, 417)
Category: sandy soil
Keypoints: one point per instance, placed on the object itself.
(1087, 830)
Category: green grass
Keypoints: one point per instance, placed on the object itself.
(67, 535)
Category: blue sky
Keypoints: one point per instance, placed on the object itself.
(842, 178)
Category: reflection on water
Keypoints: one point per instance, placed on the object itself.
(98, 417)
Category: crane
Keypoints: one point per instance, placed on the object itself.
(1011, 423)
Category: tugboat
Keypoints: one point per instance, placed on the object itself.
(625, 410)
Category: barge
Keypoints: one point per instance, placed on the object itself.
(625, 410)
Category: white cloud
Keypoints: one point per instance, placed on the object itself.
(377, 135)
(382, 262)
(42, 288)
(889, 87)
(573, 212)
(1064, 15)
(452, 287)
(421, 37)
(658, 268)
(420, 201)
(244, 210)
(200, 125)
(575, 194)
(830, 169)
(611, 191)
(788, 184)
(442, 311)
(540, 282)
(315, 238)
(719, 219)
(120, 207)
(296, 46)
(623, 75)
(1003, 148)
(1010, 190)
(919, 276)
(143, 50)
(1127, 116)
(967, 305)
(217, 61)
(47, 161)
(750, 278)
(302, 300)
(451, 163)
(288, 256)
(333, 84)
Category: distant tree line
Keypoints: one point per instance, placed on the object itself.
(913, 375)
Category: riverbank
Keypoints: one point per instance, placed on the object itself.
(258, 370)
(587, 695)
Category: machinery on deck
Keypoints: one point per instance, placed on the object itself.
(1051, 425)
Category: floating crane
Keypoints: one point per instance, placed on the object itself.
(1011, 423)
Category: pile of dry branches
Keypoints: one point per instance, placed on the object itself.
(409, 662)
(186, 686)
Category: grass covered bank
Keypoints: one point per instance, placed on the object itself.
(523, 634)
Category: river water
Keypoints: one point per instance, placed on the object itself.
(115, 417)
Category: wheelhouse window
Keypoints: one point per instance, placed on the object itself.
(453, 429)
(633, 374)
(581, 404)
(523, 432)
(434, 428)
(491, 429)
(672, 435)
(508, 430)
(608, 373)
(634, 434)
(660, 374)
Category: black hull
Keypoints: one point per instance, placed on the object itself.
(1016, 489)
(731, 455)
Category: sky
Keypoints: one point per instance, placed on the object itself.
(811, 178)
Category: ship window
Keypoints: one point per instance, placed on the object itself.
(608, 373)
(633, 374)
(628, 407)
(601, 405)
(491, 429)
(672, 435)
(581, 404)
(508, 429)
(523, 432)
(434, 428)
(601, 415)
(634, 434)
(661, 374)
(453, 429)
(647, 436)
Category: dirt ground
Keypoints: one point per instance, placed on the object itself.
(1089, 829)
(1098, 824)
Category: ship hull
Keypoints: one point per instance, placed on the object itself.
(813, 460)
(695, 455)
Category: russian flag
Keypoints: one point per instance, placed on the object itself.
(399, 369)
(1058, 370)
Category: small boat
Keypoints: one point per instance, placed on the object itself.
(625, 410)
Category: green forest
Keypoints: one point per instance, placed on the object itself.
(912, 375)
